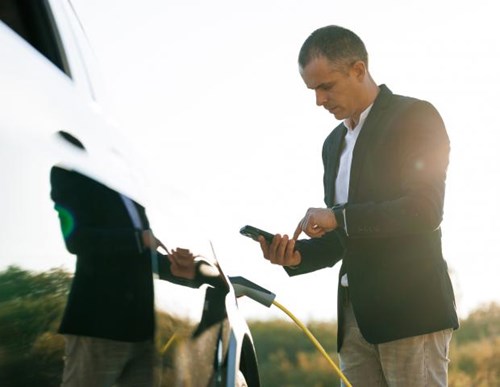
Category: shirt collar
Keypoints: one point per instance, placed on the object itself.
(362, 118)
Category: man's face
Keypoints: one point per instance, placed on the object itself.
(338, 89)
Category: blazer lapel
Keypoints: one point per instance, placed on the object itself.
(366, 137)
(332, 165)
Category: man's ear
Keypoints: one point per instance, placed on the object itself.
(358, 69)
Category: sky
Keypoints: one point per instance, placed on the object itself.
(209, 95)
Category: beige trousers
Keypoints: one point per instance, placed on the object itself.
(94, 362)
(419, 361)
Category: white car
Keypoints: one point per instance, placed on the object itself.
(50, 85)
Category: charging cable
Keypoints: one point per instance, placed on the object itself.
(244, 287)
(315, 342)
(168, 343)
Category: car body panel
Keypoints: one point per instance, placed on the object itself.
(39, 99)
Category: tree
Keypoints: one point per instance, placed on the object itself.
(31, 305)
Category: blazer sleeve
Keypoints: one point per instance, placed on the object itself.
(318, 253)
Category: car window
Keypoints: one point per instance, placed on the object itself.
(33, 21)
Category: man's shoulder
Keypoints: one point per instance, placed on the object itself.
(400, 100)
(408, 111)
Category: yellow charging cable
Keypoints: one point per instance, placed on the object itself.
(315, 342)
(168, 343)
(306, 331)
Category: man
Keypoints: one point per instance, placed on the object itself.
(109, 320)
(384, 184)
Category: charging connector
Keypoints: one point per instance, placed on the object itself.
(244, 287)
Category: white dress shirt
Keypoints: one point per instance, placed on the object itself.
(345, 162)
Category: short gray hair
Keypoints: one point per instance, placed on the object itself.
(337, 44)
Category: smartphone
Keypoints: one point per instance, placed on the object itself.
(254, 232)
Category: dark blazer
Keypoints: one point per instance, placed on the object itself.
(398, 280)
(112, 293)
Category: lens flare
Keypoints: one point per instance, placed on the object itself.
(67, 221)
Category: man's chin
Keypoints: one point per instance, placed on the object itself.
(338, 116)
(336, 113)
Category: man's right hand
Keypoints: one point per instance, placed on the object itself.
(182, 263)
(316, 223)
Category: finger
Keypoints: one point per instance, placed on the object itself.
(264, 246)
(298, 230)
(294, 257)
(160, 244)
(297, 258)
(184, 256)
(183, 259)
(281, 249)
(272, 252)
(171, 258)
(289, 253)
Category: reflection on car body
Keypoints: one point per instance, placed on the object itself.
(50, 85)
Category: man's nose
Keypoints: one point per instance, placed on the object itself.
(321, 98)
